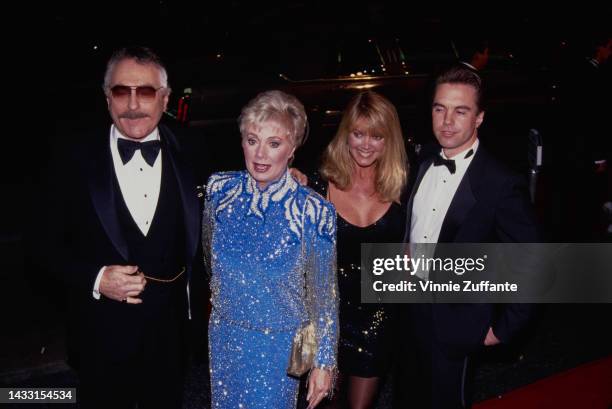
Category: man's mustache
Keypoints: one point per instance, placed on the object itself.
(133, 115)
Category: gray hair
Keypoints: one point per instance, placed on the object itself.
(142, 55)
(276, 105)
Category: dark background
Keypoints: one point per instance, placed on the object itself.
(57, 66)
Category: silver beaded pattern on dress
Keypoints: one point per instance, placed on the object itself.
(272, 259)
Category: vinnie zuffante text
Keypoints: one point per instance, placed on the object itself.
(423, 266)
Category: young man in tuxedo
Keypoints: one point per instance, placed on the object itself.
(121, 234)
(461, 195)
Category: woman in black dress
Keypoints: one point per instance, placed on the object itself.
(363, 173)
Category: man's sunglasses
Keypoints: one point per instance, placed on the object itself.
(144, 93)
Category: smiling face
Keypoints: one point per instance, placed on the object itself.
(134, 116)
(455, 117)
(267, 149)
(365, 146)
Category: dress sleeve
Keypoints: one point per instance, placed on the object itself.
(208, 225)
(322, 286)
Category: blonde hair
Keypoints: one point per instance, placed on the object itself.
(275, 105)
(383, 120)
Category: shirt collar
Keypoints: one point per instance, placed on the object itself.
(463, 159)
(274, 192)
(463, 156)
(283, 182)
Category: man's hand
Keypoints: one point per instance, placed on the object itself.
(299, 176)
(491, 339)
(319, 385)
(122, 283)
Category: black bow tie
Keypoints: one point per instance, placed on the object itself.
(449, 163)
(149, 150)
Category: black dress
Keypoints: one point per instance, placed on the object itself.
(366, 330)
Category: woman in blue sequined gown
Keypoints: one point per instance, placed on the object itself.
(363, 174)
(269, 244)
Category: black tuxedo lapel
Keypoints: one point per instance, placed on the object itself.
(101, 188)
(422, 170)
(462, 202)
(186, 186)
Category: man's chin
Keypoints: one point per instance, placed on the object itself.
(136, 128)
(135, 132)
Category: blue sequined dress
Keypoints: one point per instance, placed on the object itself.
(258, 244)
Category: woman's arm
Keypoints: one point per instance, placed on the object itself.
(207, 230)
(322, 291)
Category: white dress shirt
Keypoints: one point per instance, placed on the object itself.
(431, 202)
(434, 196)
(139, 184)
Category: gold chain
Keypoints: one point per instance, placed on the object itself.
(161, 280)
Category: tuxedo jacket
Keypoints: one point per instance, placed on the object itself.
(80, 231)
(491, 205)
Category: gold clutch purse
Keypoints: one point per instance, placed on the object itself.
(303, 351)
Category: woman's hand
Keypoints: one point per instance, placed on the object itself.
(319, 386)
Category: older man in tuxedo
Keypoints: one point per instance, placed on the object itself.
(121, 234)
(461, 195)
